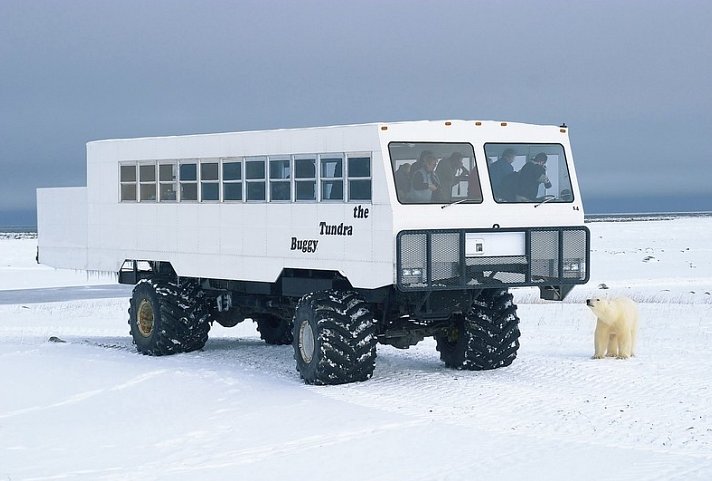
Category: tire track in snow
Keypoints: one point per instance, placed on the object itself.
(574, 400)
(204, 461)
(83, 396)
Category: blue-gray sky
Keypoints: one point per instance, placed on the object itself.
(631, 78)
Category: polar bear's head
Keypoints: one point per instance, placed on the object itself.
(599, 306)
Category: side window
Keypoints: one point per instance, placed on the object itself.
(305, 177)
(127, 179)
(167, 182)
(280, 187)
(232, 179)
(359, 177)
(147, 182)
(332, 176)
(255, 177)
(209, 182)
(188, 181)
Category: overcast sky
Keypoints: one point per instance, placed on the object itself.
(632, 79)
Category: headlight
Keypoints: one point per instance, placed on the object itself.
(415, 272)
(412, 276)
(572, 266)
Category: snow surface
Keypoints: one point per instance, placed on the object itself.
(94, 409)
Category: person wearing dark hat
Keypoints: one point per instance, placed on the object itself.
(449, 171)
(500, 169)
(531, 176)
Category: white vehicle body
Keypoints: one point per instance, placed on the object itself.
(93, 229)
(332, 239)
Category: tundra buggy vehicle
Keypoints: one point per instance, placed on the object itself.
(332, 239)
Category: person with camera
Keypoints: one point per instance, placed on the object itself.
(531, 176)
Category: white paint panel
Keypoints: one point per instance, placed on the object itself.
(495, 244)
(62, 227)
(252, 241)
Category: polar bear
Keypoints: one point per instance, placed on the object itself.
(616, 327)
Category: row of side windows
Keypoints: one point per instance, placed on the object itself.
(281, 178)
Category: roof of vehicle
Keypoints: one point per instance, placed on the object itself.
(406, 123)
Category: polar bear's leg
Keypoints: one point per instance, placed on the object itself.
(600, 340)
(624, 344)
(613, 346)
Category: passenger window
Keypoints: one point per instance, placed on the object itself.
(255, 178)
(332, 177)
(305, 177)
(167, 182)
(279, 175)
(147, 182)
(209, 181)
(359, 177)
(280, 178)
(127, 178)
(188, 182)
(232, 180)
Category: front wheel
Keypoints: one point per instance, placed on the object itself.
(486, 337)
(334, 338)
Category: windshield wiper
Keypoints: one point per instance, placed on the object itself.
(549, 199)
(453, 203)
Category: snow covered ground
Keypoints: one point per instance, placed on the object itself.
(94, 409)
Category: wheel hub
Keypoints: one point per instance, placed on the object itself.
(145, 318)
(306, 341)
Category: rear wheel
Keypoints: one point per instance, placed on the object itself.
(334, 338)
(166, 318)
(486, 337)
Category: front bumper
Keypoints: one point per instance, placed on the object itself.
(476, 258)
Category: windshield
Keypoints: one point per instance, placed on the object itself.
(528, 173)
(435, 173)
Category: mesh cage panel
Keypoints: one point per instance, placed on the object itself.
(544, 254)
(575, 250)
(412, 271)
(437, 260)
(445, 259)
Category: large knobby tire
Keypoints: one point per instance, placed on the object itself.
(166, 318)
(274, 330)
(334, 338)
(486, 337)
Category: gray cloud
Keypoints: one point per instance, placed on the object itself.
(630, 78)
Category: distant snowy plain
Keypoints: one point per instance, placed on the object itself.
(94, 409)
